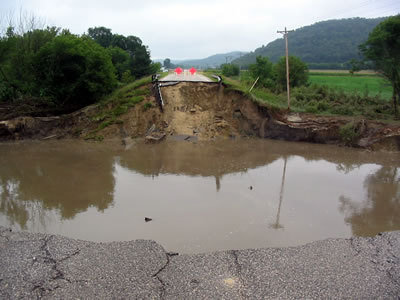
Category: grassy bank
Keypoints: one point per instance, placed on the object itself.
(118, 103)
(327, 94)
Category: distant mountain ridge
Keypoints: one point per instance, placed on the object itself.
(326, 44)
(209, 62)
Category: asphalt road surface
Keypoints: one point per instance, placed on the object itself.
(55, 267)
(186, 76)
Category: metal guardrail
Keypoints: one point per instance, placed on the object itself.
(217, 77)
(157, 91)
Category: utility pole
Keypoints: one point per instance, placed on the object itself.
(285, 34)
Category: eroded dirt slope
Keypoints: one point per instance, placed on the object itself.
(208, 111)
(205, 111)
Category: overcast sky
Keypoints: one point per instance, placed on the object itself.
(181, 29)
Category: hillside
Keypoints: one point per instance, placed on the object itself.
(327, 44)
(209, 62)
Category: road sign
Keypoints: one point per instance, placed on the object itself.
(178, 70)
(192, 70)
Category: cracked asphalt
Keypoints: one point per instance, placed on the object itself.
(55, 267)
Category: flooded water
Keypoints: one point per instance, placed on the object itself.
(201, 197)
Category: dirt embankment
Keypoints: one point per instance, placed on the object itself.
(207, 111)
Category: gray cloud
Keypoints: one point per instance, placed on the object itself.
(196, 29)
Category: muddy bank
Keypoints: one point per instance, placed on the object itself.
(55, 267)
(206, 111)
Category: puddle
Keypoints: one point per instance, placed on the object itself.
(199, 197)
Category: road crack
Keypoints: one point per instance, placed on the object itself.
(58, 274)
(238, 271)
(4, 231)
(163, 285)
(355, 247)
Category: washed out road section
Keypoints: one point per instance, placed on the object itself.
(186, 76)
(54, 267)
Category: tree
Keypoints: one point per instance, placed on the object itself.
(16, 56)
(120, 59)
(73, 71)
(140, 61)
(355, 66)
(230, 70)
(383, 49)
(167, 63)
(262, 69)
(298, 71)
(155, 67)
(101, 35)
(139, 55)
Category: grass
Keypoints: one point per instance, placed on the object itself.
(368, 85)
(163, 74)
(318, 99)
(343, 72)
(328, 94)
(260, 95)
(117, 104)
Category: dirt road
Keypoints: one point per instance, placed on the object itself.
(186, 76)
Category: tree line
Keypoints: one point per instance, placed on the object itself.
(273, 76)
(65, 69)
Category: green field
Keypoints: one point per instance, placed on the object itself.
(359, 84)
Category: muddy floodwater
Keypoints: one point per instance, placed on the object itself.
(201, 196)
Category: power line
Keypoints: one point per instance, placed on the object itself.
(367, 7)
(385, 6)
(337, 13)
(385, 9)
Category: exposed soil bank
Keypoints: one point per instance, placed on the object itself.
(207, 111)
(55, 267)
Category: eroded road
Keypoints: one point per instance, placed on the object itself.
(186, 76)
(54, 267)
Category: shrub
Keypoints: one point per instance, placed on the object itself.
(73, 70)
(322, 106)
(147, 105)
(348, 133)
(342, 110)
(230, 70)
(298, 72)
(262, 69)
(312, 107)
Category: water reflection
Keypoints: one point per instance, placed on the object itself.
(198, 194)
(277, 225)
(380, 210)
(35, 179)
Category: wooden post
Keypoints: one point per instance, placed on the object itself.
(255, 82)
(285, 34)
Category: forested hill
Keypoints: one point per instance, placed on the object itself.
(327, 44)
(211, 61)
